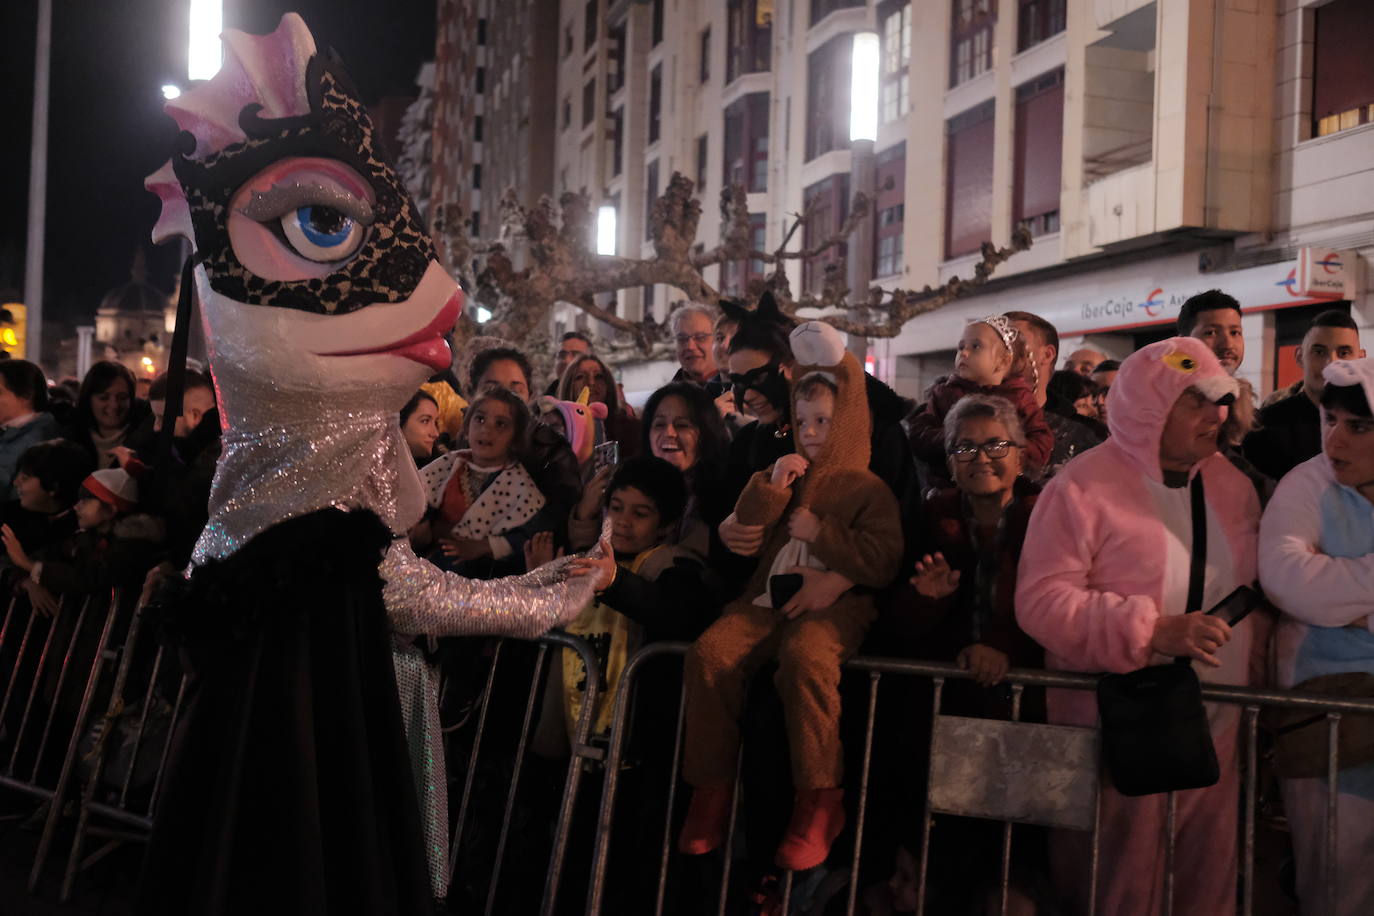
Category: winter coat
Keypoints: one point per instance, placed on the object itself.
(91, 562)
(1107, 550)
(15, 440)
(915, 626)
(1290, 432)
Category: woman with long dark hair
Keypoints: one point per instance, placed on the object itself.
(106, 411)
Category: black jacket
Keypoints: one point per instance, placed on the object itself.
(1290, 432)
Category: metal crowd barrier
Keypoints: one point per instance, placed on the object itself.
(42, 661)
(123, 816)
(582, 757)
(948, 790)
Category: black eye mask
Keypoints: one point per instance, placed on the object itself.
(766, 380)
(388, 265)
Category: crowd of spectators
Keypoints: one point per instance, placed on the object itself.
(1041, 510)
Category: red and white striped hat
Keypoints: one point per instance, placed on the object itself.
(114, 487)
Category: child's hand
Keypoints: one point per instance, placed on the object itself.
(16, 550)
(787, 469)
(741, 539)
(988, 665)
(725, 405)
(593, 493)
(934, 578)
(123, 455)
(44, 602)
(820, 590)
(539, 550)
(465, 548)
(603, 567)
(804, 525)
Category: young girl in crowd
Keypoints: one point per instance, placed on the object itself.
(420, 426)
(988, 349)
(484, 503)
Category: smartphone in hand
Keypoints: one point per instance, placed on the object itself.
(607, 454)
(1236, 606)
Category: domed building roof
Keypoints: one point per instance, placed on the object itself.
(137, 295)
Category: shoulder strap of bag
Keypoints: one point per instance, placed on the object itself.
(1197, 572)
(1197, 568)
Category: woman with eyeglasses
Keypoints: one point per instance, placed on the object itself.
(958, 606)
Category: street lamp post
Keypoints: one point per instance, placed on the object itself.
(863, 133)
(38, 185)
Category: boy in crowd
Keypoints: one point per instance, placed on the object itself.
(822, 509)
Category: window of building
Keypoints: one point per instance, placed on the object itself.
(895, 95)
(826, 204)
(480, 79)
(589, 22)
(704, 48)
(749, 42)
(655, 102)
(702, 147)
(615, 69)
(890, 206)
(567, 40)
(589, 101)
(1342, 78)
(650, 195)
(827, 97)
(746, 142)
(567, 112)
(968, 182)
(648, 296)
(1038, 147)
(657, 23)
(822, 8)
(477, 175)
(617, 141)
(482, 31)
(1037, 21)
(970, 37)
(477, 129)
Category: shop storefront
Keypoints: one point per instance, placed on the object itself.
(1118, 310)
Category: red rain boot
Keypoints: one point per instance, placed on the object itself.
(817, 818)
(707, 818)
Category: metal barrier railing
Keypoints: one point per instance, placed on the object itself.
(120, 817)
(48, 680)
(582, 754)
(1250, 700)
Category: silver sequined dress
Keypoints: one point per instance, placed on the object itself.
(290, 453)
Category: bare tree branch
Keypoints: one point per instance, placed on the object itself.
(561, 266)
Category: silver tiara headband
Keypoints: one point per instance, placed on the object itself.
(1003, 327)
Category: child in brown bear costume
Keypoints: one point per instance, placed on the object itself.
(822, 509)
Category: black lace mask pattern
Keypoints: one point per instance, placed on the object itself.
(397, 251)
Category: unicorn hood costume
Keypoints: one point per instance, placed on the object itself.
(324, 309)
(1106, 555)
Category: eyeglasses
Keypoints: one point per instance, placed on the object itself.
(993, 448)
(699, 339)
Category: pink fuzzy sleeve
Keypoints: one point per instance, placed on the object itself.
(1086, 628)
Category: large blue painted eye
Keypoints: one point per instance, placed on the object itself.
(322, 233)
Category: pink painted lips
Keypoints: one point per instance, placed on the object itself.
(426, 346)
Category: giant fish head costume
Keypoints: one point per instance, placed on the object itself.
(323, 304)
(312, 267)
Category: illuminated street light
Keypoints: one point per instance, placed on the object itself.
(605, 230)
(203, 54)
(170, 91)
(863, 87)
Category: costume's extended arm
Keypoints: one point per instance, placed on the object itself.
(421, 598)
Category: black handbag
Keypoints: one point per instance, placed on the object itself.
(1155, 733)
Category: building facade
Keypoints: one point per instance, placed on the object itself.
(1153, 148)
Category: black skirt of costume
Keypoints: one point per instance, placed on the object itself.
(289, 788)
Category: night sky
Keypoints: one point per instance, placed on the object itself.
(107, 129)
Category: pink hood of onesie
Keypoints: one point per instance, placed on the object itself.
(1145, 391)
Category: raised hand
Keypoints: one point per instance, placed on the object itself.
(934, 578)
